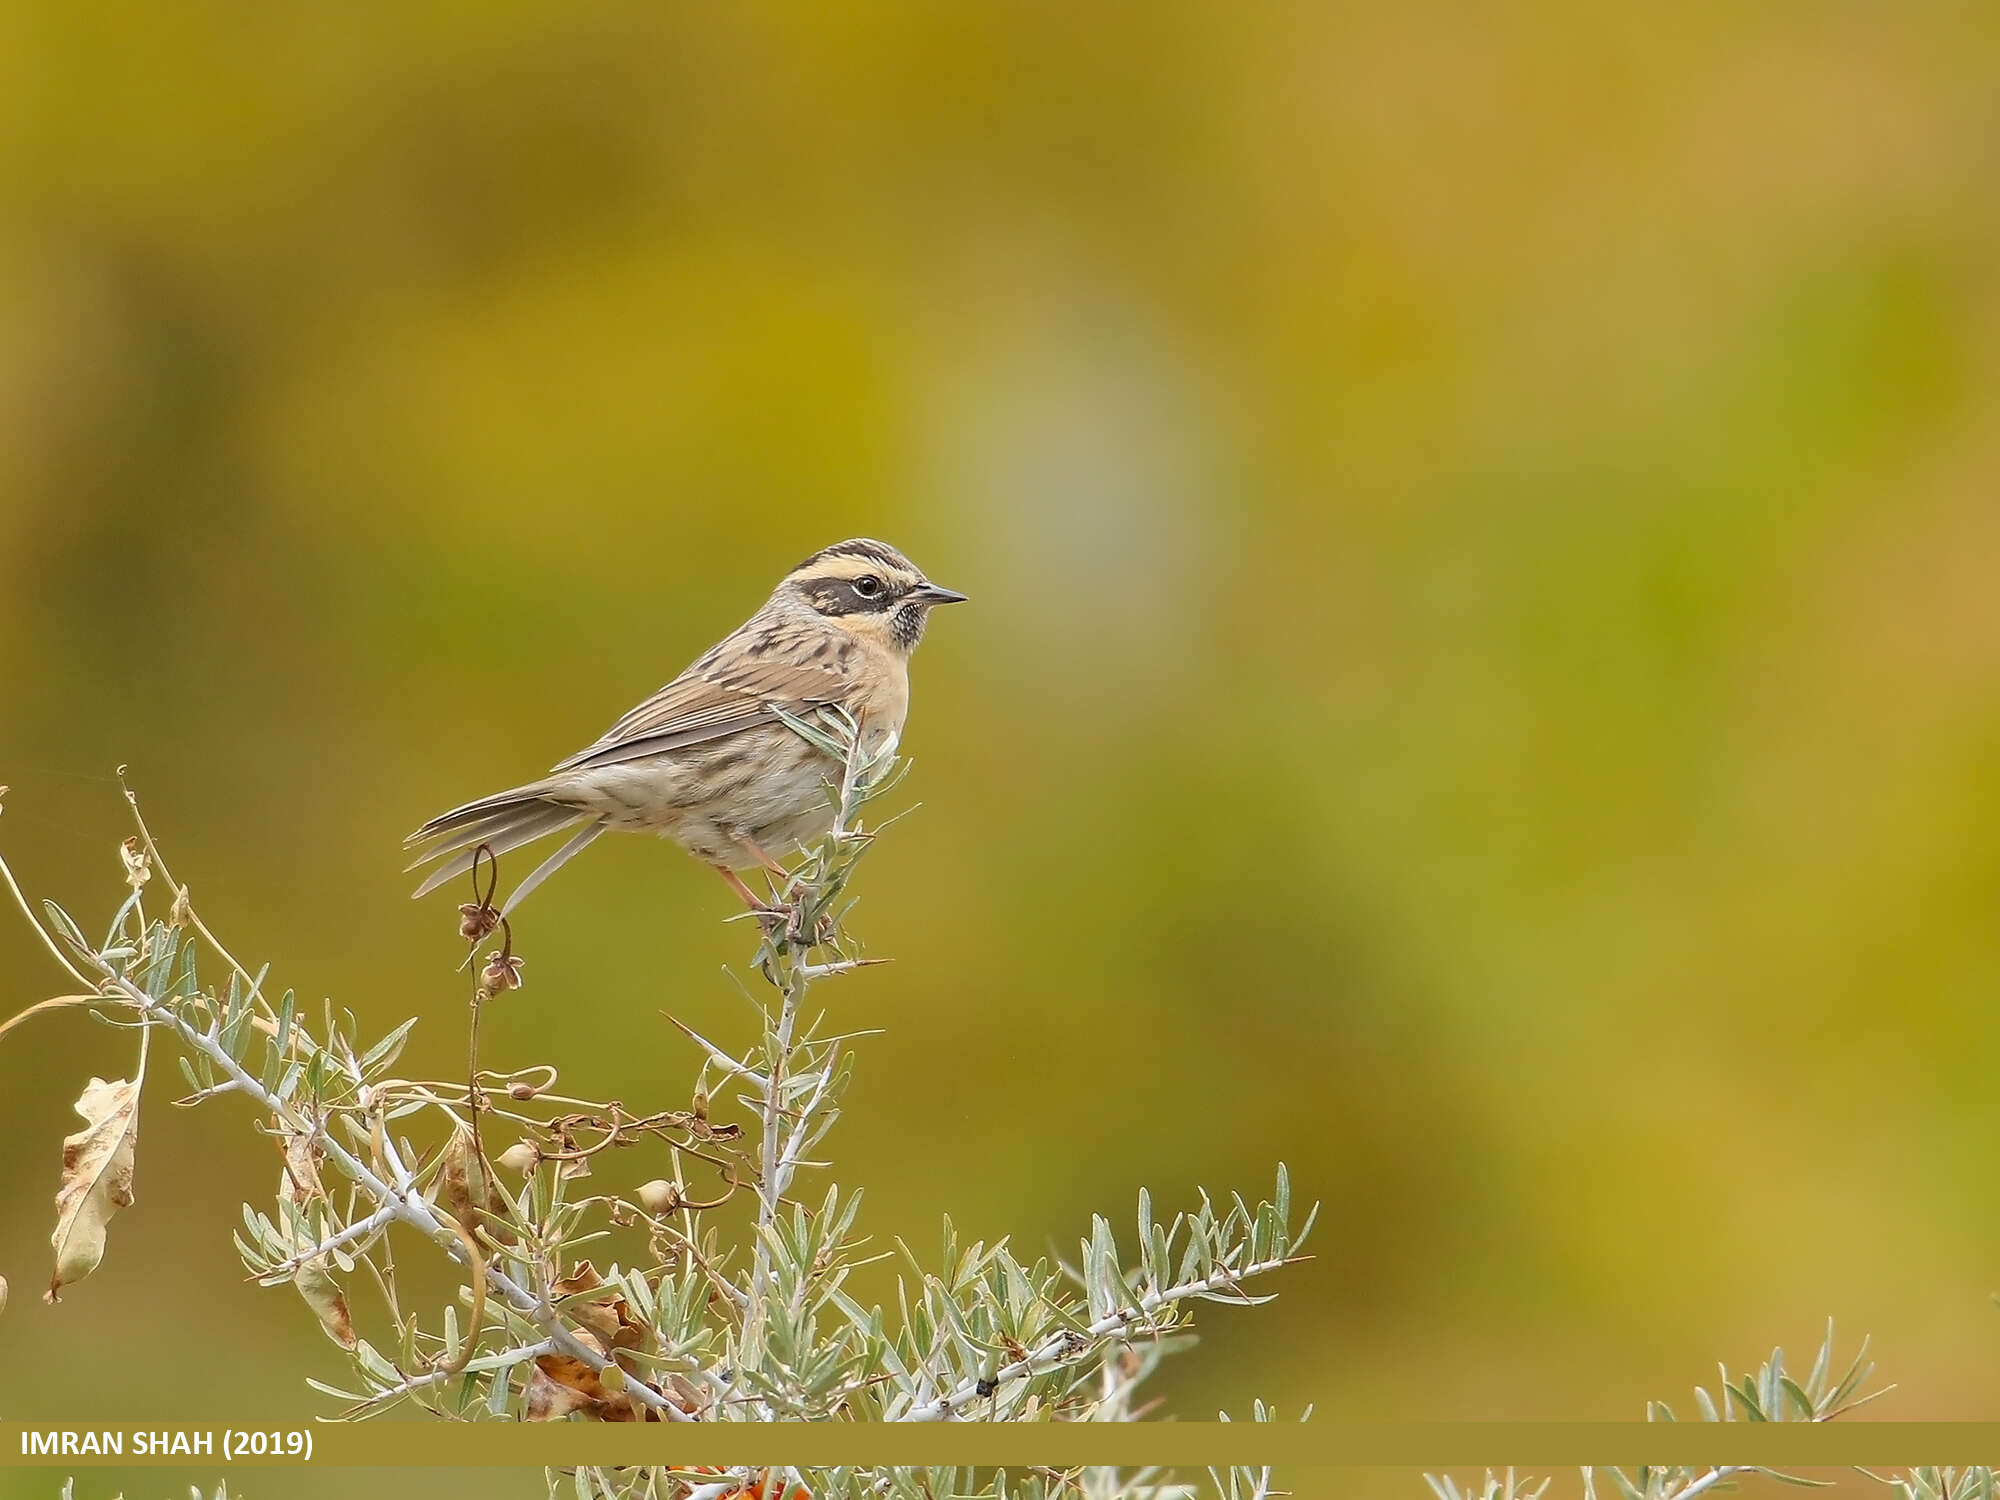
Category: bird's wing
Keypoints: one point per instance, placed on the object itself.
(726, 695)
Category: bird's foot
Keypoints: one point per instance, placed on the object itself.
(788, 919)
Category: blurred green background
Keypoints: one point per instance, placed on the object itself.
(1483, 679)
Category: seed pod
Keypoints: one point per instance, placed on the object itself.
(501, 974)
(476, 919)
(660, 1197)
(520, 1157)
(521, 1091)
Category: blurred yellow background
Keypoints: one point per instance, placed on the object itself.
(1483, 677)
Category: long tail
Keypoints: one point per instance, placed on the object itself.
(502, 822)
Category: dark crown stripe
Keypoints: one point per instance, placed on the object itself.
(874, 551)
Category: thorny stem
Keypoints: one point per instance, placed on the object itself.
(780, 1153)
(1065, 1348)
(770, 1190)
(403, 1200)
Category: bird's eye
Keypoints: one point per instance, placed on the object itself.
(868, 585)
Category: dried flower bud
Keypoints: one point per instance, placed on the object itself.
(502, 973)
(476, 919)
(660, 1197)
(520, 1157)
(701, 1104)
(521, 1091)
(138, 865)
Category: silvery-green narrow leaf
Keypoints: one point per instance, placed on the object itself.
(352, 1397)
(252, 1261)
(389, 1048)
(1857, 1374)
(65, 929)
(1746, 1392)
(235, 1034)
(1194, 1261)
(286, 1012)
(1800, 1400)
(374, 1364)
(158, 980)
(1264, 1234)
(1298, 1240)
(114, 935)
(274, 1062)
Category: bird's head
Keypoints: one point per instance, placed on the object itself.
(869, 590)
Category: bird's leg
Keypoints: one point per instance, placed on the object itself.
(773, 916)
(756, 851)
(750, 898)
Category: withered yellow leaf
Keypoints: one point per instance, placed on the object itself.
(328, 1302)
(96, 1180)
(138, 863)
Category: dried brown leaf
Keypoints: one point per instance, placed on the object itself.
(466, 1191)
(301, 1182)
(96, 1179)
(582, 1277)
(609, 1318)
(602, 1394)
(302, 1186)
(549, 1399)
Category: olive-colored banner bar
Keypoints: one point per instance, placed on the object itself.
(1434, 1445)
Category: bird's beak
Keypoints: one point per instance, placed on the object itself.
(930, 593)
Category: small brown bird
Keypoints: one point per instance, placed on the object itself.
(708, 761)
